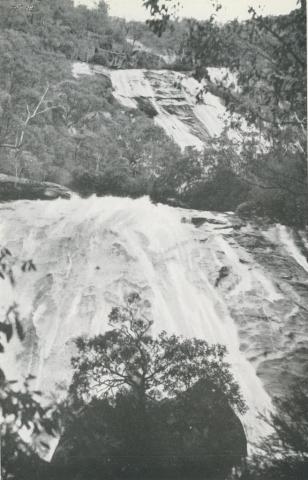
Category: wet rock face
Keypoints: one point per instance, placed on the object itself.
(284, 322)
(271, 310)
(206, 275)
(179, 104)
(147, 107)
(13, 188)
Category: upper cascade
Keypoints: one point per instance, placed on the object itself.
(205, 274)
(181, 105)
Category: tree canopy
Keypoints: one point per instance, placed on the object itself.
(129, 358)
(147, 404)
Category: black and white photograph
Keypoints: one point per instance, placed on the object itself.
(153, 240)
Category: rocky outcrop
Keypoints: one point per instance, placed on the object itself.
(266, 291)
(13, 188)
(147, 107)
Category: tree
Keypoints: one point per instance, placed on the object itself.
(161, 404)
(129, 358)
(40, 108)
(29, 89)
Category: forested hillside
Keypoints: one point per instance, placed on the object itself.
(72, 131)
(56, 128)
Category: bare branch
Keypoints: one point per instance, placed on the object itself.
(47, 109)
(8, 145)
(40, 102)
(19, 141)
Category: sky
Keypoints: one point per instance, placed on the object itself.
(201, 9)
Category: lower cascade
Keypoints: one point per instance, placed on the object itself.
(206, 275)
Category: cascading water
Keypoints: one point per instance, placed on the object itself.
(90, 253)
(173, 96)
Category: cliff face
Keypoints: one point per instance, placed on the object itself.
(266, 288)
(206, 275)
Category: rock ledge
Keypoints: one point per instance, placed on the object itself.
(13, 188)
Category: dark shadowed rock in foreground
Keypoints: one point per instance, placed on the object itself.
(13, 188)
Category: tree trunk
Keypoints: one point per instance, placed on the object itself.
(143, 422)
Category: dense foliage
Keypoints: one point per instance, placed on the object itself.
(72, 131)
(268, 56)
(143, 405)
(58, 128)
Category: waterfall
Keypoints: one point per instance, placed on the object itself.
(292, 248)
(90, 253)
(173, 96)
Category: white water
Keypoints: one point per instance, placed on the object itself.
(159, 87)
(136, 45)
(173, 95)
(288, 240)
(91, 253)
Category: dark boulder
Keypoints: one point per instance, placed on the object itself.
(146, 106)
(13, 188)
